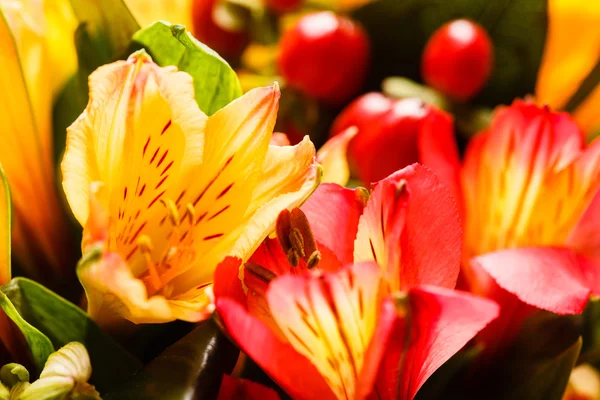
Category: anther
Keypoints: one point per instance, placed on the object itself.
(145, 245)
(293, 257)
(190, 213)
(313, 259)
(297, 241)
(172, 212)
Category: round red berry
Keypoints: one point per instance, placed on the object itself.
(387, 138)
(458, 59)
(325, 56)
(283, 6)
(228, 43)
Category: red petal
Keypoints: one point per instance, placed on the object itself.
(243, 389)
(227, 282)
(438, 150)
(548, 278)
(441, 322)
(293, 372)
(333, 212)
(432, 252)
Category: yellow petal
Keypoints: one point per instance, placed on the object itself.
(71, 360)
(566, 62)
(587, 115)
(25, 153)
(148, 11)
(330, 320)
(5, 222)
(332, 156)
(288, 177)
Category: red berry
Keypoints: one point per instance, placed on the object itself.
(229, 44)
(283, 6)
(325, 56)
(388, 134)
(458, 59)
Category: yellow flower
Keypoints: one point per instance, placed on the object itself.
(166, 193)
(567, 62)
(175, 12)
(26, 151)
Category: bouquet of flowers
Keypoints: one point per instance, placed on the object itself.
(299, 199)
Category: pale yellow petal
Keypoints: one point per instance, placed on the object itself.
(566, 62)
(25, 154)
(332, 156)
(173, 11)
(71, 360)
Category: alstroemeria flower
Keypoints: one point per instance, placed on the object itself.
(529, 184)
(174, 192)
(39, 232)
(365, 328)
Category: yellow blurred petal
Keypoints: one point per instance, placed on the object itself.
(60, 41)
(332, 156)
(25, 153)
(566, 62)
(5, 222)
(173, 11)
(584, 384)
(587, 115)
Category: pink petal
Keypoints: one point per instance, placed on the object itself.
(333, 212)
(548, 278)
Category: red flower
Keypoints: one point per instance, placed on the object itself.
(529, 185)
(379, 314)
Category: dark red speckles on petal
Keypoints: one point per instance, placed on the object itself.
(146, 147)
(225, 191)
(154, 156)
(156, 199)
(161, 182)
(142, 190)
(217, 235)
(162, 158)
(219, 212)
(169, 165)
(165, 128)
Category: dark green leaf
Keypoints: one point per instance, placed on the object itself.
(215, 82)
(61, 322)
(400, 29)
(40, 347)
(190, 369)
(537, 365)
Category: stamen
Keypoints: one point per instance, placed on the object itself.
(172, 212)
(145, 247)
(297, 241)
(293, 257)
(313, 259)
(190, 212)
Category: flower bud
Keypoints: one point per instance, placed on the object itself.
(457, 59)
(325, 56)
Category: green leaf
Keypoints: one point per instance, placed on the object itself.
(40, 347)
(399, 31)
(215, 82)
(5, 228)
(536, 366)
(51, 322)
(189, 369)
